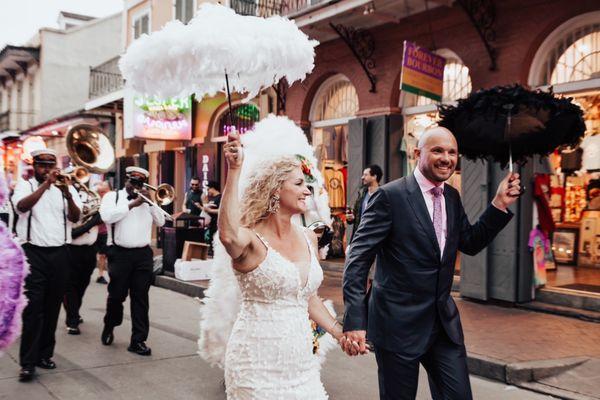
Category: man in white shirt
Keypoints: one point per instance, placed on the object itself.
(83, 251)
(47, 209)
(130, 260)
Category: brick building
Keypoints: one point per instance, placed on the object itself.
(486, 43)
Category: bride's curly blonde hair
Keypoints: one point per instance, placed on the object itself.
(262, 184)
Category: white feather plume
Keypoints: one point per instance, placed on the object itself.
(180, 60)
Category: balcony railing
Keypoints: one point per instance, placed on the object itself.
(266, 8)
(105, 78)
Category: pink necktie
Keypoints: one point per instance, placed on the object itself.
(437, 213)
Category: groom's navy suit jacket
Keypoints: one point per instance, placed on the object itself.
(412, 282)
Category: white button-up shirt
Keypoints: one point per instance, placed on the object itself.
(48, 215)
(133, 228)
(426, 185)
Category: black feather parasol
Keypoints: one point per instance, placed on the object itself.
(512, 120)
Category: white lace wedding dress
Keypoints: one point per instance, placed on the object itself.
(269, 353)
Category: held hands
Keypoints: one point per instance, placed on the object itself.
(508, 192)
(233, 151)
(354, 343)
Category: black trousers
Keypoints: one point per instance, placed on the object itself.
(130, 271)
(83, 262)
(446, 365)
(44, 287)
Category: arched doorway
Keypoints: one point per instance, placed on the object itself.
(569, 61)
(334, 105)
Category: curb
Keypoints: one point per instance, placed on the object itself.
(174, 284)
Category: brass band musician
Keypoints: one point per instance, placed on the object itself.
(129, 219)
(47, 205)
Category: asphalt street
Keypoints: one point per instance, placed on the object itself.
(87, 370)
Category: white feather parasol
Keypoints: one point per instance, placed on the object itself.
(180, 60)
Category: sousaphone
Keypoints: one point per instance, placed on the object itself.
(89, 147)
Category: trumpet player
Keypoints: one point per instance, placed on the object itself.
(129, 219)
(83, 251)
(47, 205)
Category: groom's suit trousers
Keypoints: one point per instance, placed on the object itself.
(446, 365)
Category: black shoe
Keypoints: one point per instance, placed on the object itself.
(46, 363)
(101, 280)
(26, 374)
(73, 330)
(140, 348)
(80, 320)
(107, 335)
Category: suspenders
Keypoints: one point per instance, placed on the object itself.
(112, 226)
(31, 213)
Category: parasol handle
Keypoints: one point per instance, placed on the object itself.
(508, 108)
(229, 100)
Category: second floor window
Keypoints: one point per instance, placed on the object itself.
(141, 25)
(184, 10)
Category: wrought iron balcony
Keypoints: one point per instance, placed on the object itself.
(266, 8)
(105, 78)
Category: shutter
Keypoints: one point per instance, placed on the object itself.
(474, 187)
(356, 157)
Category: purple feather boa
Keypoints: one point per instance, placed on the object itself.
(13, 270)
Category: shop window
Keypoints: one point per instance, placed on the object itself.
(184, 10)
(335, 103)
(576, 57)
(141, 24)
(569, 60)
(338, 101)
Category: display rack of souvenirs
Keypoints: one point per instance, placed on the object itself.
(575, 198)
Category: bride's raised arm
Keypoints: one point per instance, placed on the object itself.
(234, 237)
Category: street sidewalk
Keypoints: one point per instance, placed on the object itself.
(551, 354)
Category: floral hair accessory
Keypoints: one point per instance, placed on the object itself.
(306, 169)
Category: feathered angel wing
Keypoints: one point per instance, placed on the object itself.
(220, 308)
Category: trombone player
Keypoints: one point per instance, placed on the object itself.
(47, 206)
(129, 218)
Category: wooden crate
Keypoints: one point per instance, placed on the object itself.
(195, 250)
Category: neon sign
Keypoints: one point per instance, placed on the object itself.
(155, 118)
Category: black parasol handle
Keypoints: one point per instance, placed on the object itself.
(229, 101)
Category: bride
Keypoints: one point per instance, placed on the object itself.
(269, 354)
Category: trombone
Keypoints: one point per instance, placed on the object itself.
(164, 194)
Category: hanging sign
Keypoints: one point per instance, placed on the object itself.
(422, 72)
(161, 119)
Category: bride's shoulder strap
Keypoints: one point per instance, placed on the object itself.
(263, 240)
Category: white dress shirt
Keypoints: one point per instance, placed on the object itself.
(426, 185)
(48, 215)
(133, 228)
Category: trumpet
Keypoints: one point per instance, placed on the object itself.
(164, 195)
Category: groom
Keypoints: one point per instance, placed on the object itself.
(415, 226)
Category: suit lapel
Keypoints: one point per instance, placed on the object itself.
(450, 223)
(417, 203)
